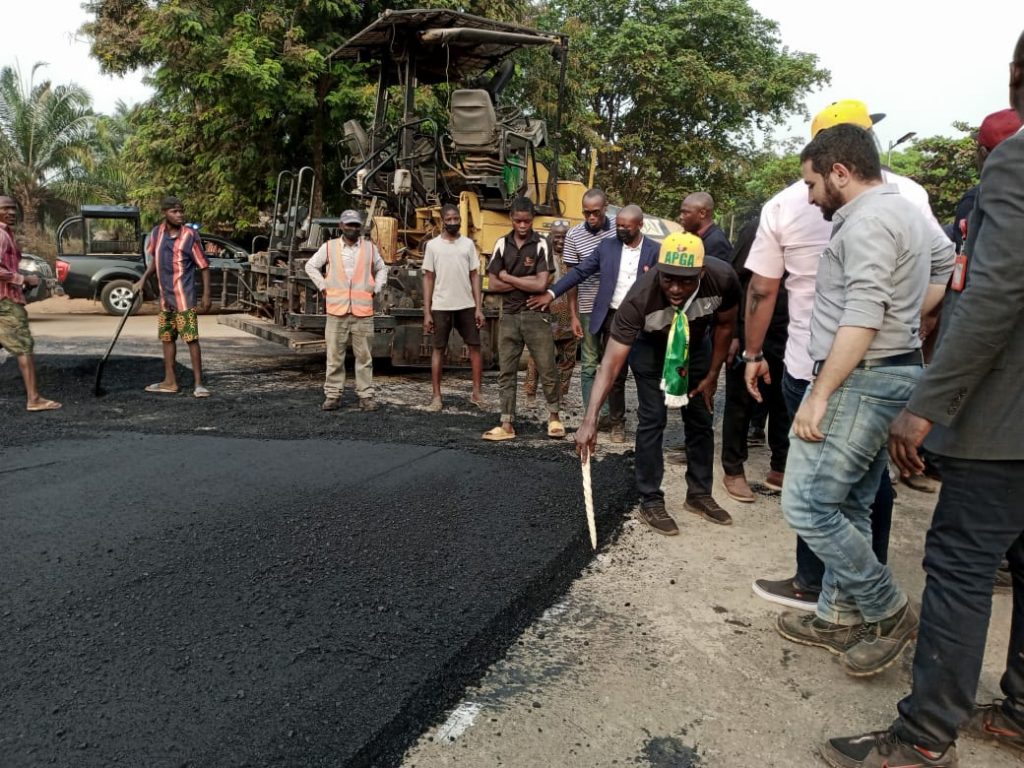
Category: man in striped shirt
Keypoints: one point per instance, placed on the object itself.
(175, 254)
(580, 242)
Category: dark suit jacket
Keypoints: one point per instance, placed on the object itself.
(974, 388)
(716, 243)
(605, 259)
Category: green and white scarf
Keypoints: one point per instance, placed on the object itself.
(675, 375)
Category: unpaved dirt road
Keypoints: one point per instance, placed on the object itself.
(659, 655)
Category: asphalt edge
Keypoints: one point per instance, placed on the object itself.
(468, 664)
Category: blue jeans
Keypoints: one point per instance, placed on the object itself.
(590, 358)
(829, 488)
(809, 568)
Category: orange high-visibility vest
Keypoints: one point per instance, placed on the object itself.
(345, 295)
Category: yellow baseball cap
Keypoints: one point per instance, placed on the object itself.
(846, 111)
(682, 254)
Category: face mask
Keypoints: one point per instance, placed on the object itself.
(350, 234)
(625, 235)
(452, 229)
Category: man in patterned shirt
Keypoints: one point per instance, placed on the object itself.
(175, 254)
(14, 333)
(580, 242)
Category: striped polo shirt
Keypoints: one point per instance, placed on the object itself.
(580, 243)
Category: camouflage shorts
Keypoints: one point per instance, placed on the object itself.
(14, 333)
(172, 324)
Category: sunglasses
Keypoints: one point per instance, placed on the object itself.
(593, 212)
(559, 223)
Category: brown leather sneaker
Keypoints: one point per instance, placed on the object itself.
(737, 489)
(708, 508)
(657, 517)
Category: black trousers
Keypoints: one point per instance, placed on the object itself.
(647, 362)
(739, 411)
(617, 397)
(979, 517)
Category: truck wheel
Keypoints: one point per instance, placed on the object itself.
(116, 296)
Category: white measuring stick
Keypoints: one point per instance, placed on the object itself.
(588, 498)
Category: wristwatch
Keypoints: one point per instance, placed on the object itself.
(746, 358)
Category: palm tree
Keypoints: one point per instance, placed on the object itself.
(46, 135)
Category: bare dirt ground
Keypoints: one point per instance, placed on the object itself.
(659, 654)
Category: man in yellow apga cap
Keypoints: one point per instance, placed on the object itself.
(674, 326)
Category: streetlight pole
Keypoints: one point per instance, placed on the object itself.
(900, 140)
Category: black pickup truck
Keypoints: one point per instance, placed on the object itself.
(100, 254)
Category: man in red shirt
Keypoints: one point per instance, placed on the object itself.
(14, 333)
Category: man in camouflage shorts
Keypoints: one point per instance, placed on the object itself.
(15, 336)
(175, 254)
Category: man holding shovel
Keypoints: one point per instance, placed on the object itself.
(175, 254)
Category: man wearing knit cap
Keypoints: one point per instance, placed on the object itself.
(994, 129)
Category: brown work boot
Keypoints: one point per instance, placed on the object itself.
(882, 643)
(774, 479)
(657, 517)
(737, 488)
(618, 433)
(367, 404)
(708, 508)
(808, 629)
(330, 404)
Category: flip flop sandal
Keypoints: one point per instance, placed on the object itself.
(556, 428)
(498, 433)
(201, 392)
(163, 390)
(44, 405)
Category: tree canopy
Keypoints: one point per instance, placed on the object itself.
(47, 133)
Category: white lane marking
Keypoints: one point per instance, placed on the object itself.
(458, 722)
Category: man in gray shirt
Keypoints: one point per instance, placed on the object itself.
(871, 288)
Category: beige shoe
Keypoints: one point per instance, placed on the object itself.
(737, 488)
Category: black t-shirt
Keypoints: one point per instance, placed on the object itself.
(533, 257)
(647, 314)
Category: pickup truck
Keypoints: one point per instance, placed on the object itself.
(100, 254)
(34, 266)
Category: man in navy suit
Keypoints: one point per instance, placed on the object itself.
(620, 261)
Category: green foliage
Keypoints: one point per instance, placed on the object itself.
(244, 89)
(47, 133)
(945, 167)
(669, 92)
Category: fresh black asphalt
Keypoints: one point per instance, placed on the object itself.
(246, 581)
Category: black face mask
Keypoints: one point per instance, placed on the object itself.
(625, 235)
(452, 229)
(350, 234)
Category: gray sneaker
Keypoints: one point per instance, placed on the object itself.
(990, 721)
(808, 629)
(882, 643)
(657, 517)
(884, 749)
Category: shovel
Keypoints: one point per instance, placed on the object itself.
(97, 388)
